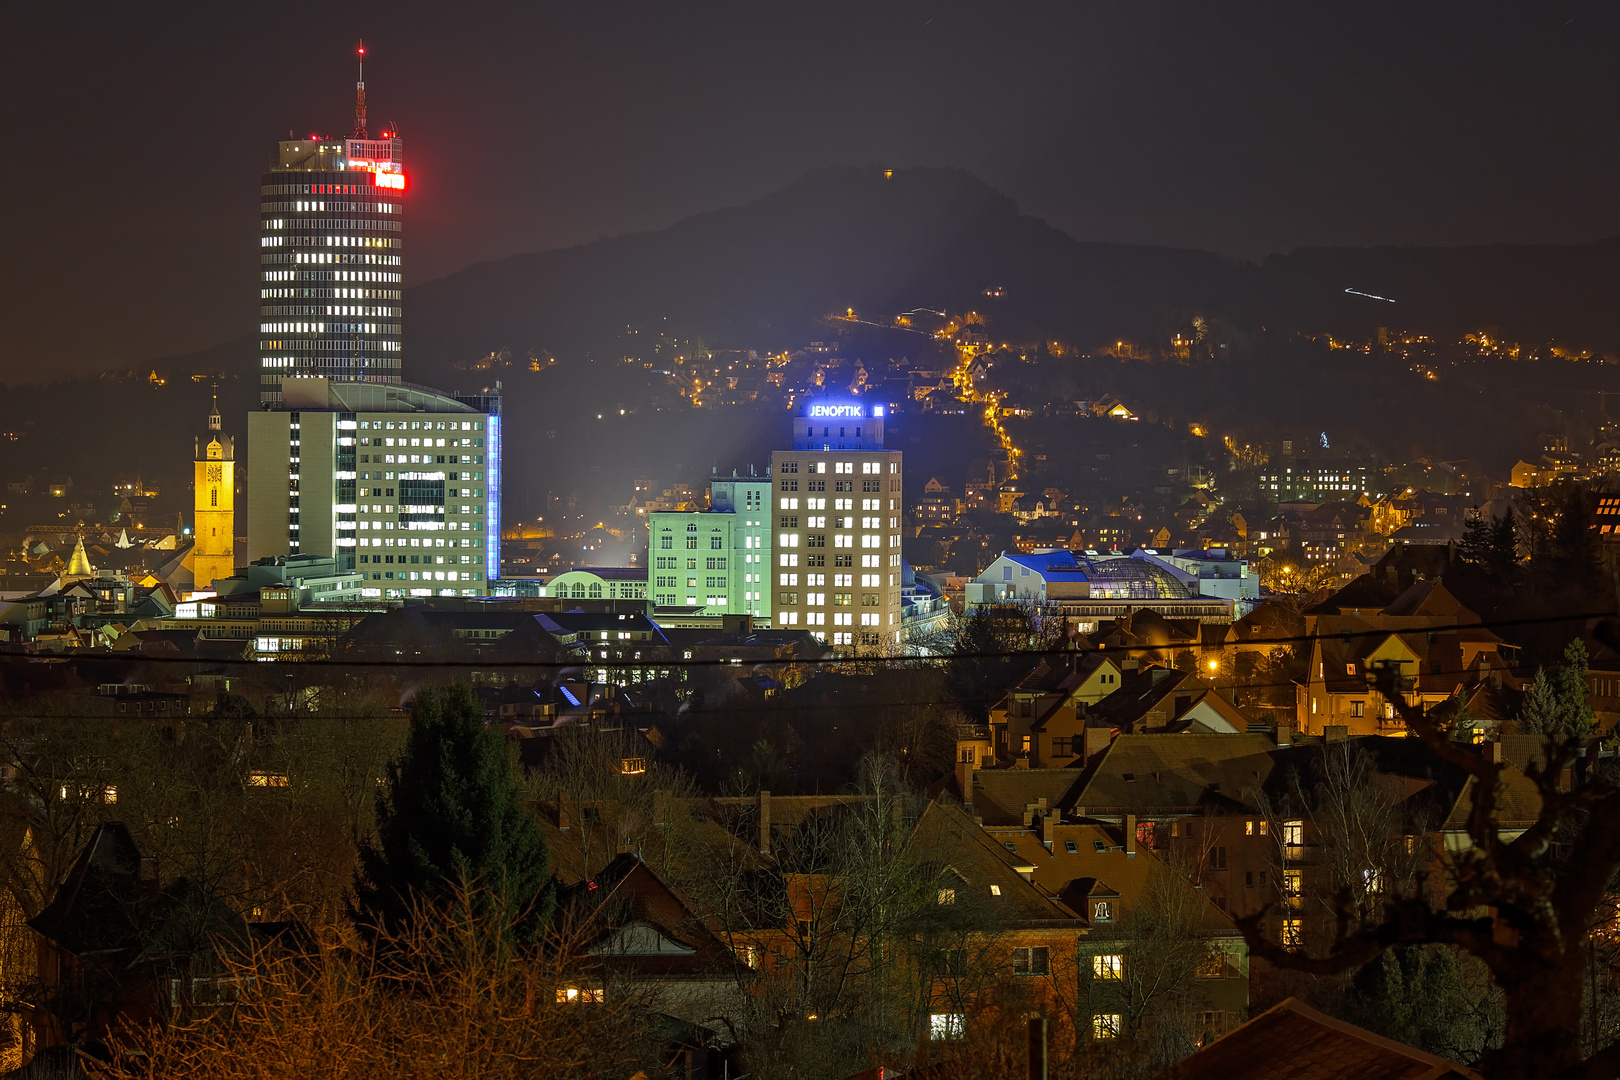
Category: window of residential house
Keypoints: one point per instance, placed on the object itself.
(944, 1026)
(1033, 960)
(1105, 1026)
(1102, 911)
(579, 994)
(1071, 847)
(1293, 934)
(1349, 669)
(995, 890)
(1108, 966)
(1263, 828)
(947, 896)
(1217, 857)
(1248, 879)
(1293, 884)
(1358, 708)
(1248, 828)
(1099, 846)
(1293, 833)
(1060, 748)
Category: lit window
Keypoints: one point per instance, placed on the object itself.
(1105, 1026)
(1108, 966)
(942, 1026)
(947, 896)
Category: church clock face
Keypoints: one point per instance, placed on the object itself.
(214, 474)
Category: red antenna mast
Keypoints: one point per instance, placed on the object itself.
(360, 98)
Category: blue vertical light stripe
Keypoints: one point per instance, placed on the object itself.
(492, 504)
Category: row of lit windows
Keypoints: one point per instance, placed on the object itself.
(787, 521)
(322, 206)
(839, 467)
(438, 560)
(792, 559)
(388, 541)
(323, 224)
(840, 540)
(333, 275)
(331, 258)
(328, 241)
(316, 189)
(792, 484)
(320, 294)
(302, 327)
(432, 575)
(868, 581)
(838, 504)
(328, 364)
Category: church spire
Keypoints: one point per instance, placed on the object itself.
(79, 565)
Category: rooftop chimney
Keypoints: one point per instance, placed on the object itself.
(1130, 836)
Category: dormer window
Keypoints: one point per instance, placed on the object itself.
(1102, 911)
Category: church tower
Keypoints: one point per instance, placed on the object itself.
(213, 554)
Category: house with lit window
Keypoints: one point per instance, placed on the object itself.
(1064, 908)
(1425, 645)
(1040, 722)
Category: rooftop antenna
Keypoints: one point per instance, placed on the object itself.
(360, 98)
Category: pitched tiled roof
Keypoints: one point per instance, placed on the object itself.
(1000, 795)
(1174, 773)
(1139, 693)
(945, 836)
(1292, 1041)
(1100, 867)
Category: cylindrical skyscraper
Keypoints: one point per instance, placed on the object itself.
(331, 260)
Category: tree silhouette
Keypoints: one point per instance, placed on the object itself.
(452, 818)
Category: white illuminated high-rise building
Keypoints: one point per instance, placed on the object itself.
(837, 511)
(331, 259)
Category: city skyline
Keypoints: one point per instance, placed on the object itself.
(1375, 121)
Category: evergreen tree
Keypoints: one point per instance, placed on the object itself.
(1475, 547)
(1556, 704)
(1502, 547)
(1576, 557)
(452, 814)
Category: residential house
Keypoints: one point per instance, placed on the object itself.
(1293, 1039)
(1425, 645)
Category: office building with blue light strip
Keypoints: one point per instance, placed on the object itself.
(398, 483)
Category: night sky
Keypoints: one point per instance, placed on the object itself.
(136, 133)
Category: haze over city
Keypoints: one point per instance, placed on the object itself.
(934, 540)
